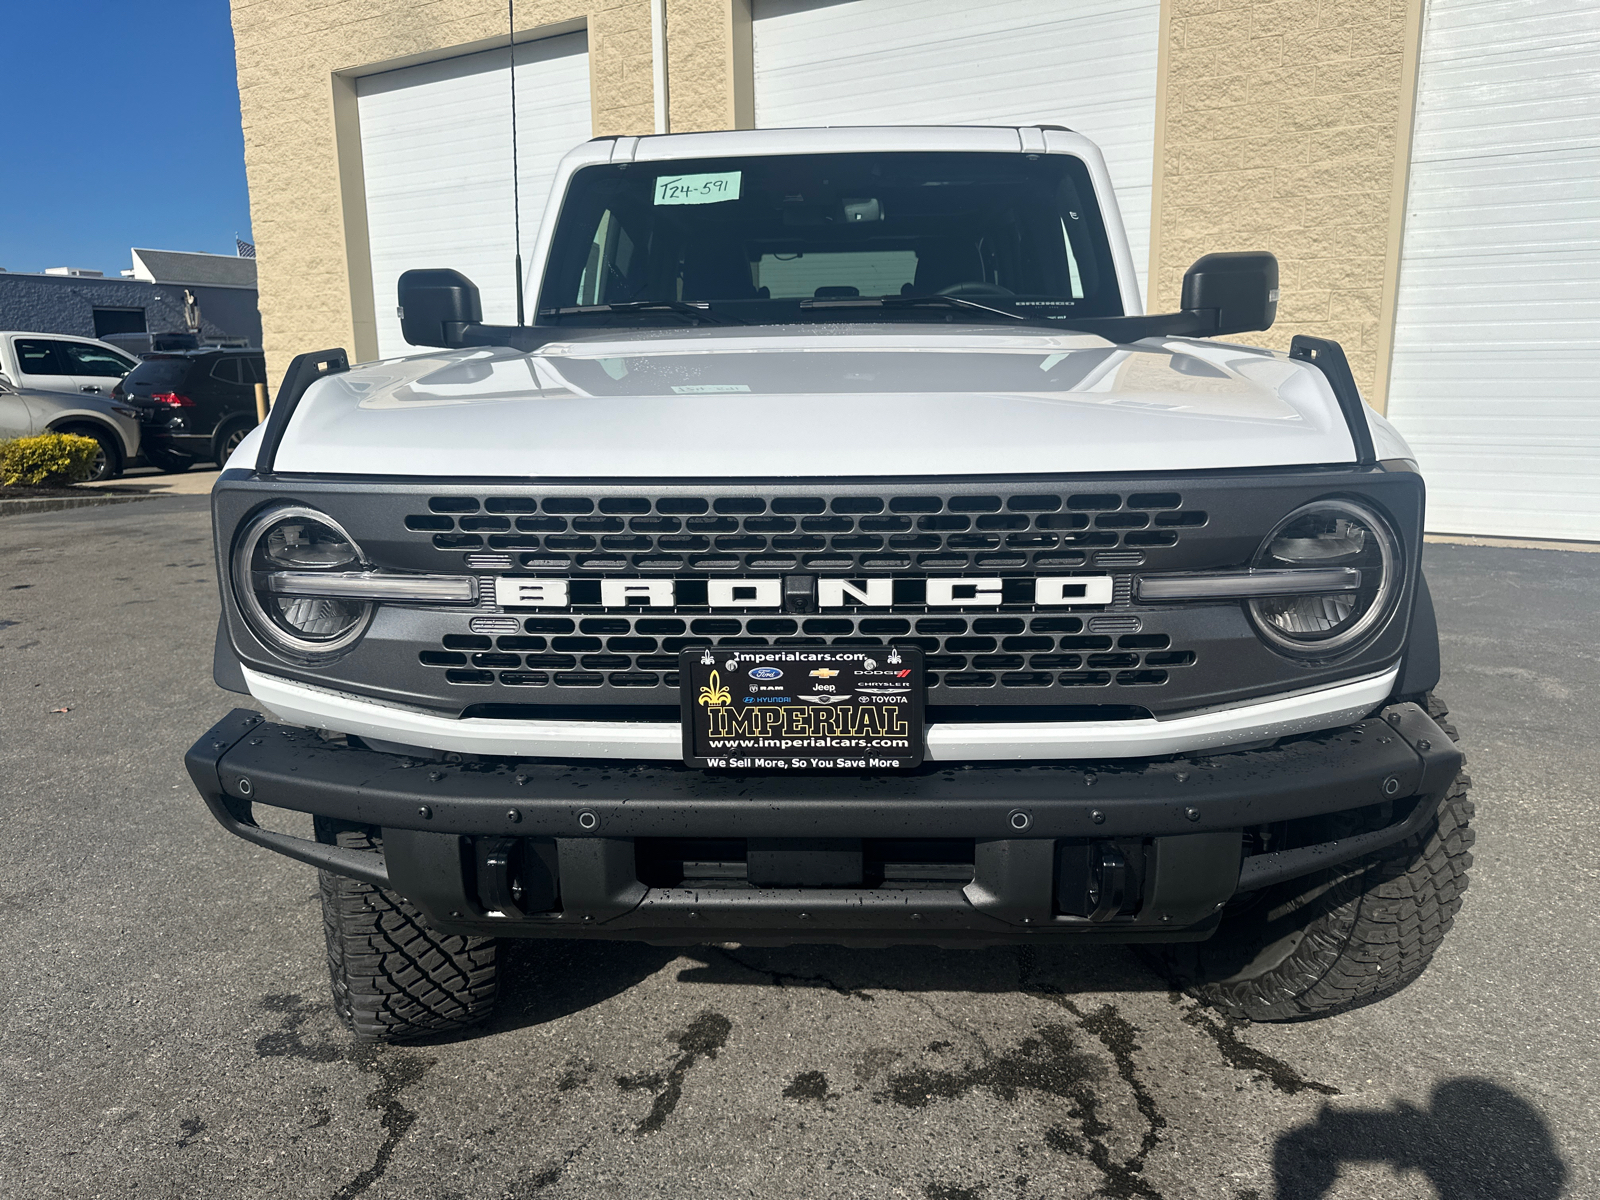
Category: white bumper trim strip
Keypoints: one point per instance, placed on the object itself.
(339, 712)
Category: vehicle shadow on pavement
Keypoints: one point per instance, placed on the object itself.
(1063, 969)
(1475, 1141)
(545, 980)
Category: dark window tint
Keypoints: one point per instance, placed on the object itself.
(118, 320)
(40, 356)
(765, 234)
(158, 374)
(95, 360)
(226, 369)
(255, 369)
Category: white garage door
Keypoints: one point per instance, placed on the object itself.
(1496, 373)
(436, 152)
(1086, 64)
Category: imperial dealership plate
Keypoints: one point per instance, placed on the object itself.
(802, 709)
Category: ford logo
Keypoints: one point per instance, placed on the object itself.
(765, 673)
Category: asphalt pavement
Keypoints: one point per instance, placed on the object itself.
(167, 1031)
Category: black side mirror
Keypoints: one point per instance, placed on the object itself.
(436, 306)
(1241, 288)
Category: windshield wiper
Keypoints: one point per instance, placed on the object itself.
(682, 307)
(908, 302)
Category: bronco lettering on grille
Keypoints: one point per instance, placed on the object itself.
(1065, 591)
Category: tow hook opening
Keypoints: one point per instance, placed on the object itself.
(1100, 879)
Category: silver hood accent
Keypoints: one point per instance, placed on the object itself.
(818, 400)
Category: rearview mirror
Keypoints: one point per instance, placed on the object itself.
(1241, 288)
(436, 306)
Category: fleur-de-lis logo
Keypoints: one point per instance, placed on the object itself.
(714, 695)
(705, 659)
(894, 658)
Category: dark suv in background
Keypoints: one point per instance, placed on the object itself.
(197, 404)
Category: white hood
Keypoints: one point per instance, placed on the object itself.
(813, 400)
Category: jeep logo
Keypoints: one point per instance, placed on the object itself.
(964, 591)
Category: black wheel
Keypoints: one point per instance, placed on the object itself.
(1345, 937)
(170, 461)
(394, 977)
(107, 463)
(227, 440)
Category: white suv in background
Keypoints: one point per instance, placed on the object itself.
(56, 362)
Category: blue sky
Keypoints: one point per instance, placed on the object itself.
(119, 127)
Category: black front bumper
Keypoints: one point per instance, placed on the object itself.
(587, 817)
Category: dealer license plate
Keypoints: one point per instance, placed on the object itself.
(802, 709)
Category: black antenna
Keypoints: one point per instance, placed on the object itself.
(516, 201)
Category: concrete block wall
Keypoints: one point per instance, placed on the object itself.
(64, 304)
(1286, 127)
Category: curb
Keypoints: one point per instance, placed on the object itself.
(44, 504)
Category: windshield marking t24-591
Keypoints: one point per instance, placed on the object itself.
(889, 236)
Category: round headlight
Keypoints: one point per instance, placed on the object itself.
(1328, 533)
(306, 628)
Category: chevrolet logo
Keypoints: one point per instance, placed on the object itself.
(824, 673)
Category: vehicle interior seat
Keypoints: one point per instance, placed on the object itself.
(943, 264)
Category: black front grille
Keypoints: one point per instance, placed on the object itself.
(923, 532)
(637, 651)
(1014, 659)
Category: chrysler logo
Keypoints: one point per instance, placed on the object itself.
(961, 591)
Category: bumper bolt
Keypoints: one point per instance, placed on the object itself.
(1098, 817)
(1019, 820)
(513, 816)
(587, 820)
(1424, 745)
(916, 916)
(1192, 813)
(522, 781)
(1090, 780)
(435, 776)
(245, 787)
(805, 916)
(1394, 718)
(425, 813)
(1391, 786)
(1182, 777)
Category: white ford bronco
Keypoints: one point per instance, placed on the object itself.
(838, 554)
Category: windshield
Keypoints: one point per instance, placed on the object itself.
(775, 239)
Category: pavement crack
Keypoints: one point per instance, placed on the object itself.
(1120, 1180)
(782, 978)
(1242, 1056)
(706, 1035)
(396, 1071)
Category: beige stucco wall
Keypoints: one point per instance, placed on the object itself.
(302, 159)
(1282, 126)
(1286, 126)
(709, 65)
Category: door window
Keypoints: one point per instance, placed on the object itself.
(227, 370)
(40, 356)
(255, 370)
(83, 359)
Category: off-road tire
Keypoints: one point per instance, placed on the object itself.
(1342, 938)
(394, 977)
